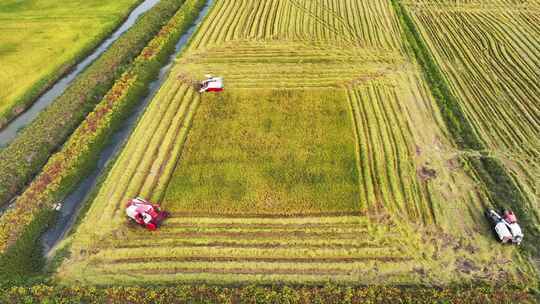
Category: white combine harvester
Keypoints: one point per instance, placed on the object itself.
(211, 84)
(506, 226)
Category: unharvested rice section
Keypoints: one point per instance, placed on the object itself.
(279, 152)
(489, 52)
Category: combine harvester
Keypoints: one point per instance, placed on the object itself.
(211, 84)
(145, 213)
(506, 226)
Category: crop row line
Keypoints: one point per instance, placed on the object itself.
(273, 260)
(384, 175)
(302, 20)
(251, 245)
(503, 189)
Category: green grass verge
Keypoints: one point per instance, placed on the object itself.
(24, 260)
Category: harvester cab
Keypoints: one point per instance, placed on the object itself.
(506, 226)
(145, 213)
(211, 84)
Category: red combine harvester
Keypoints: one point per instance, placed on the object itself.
(145, 213)
(211, 84)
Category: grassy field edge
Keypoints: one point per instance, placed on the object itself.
(328, 293)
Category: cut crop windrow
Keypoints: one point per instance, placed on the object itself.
(487, 102)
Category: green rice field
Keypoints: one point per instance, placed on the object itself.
(42, 39)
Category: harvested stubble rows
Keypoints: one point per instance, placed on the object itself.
(489, 52)
(272, 65)
(402, 222)
(245, 249)
(150, 155)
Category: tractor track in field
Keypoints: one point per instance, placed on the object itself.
(325, 24)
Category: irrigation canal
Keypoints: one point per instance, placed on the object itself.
(9, 132)
(75, 200)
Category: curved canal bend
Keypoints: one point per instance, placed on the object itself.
(74, 201)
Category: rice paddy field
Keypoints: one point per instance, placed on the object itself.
(42, 39)
(489, 53)
(326, 158)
